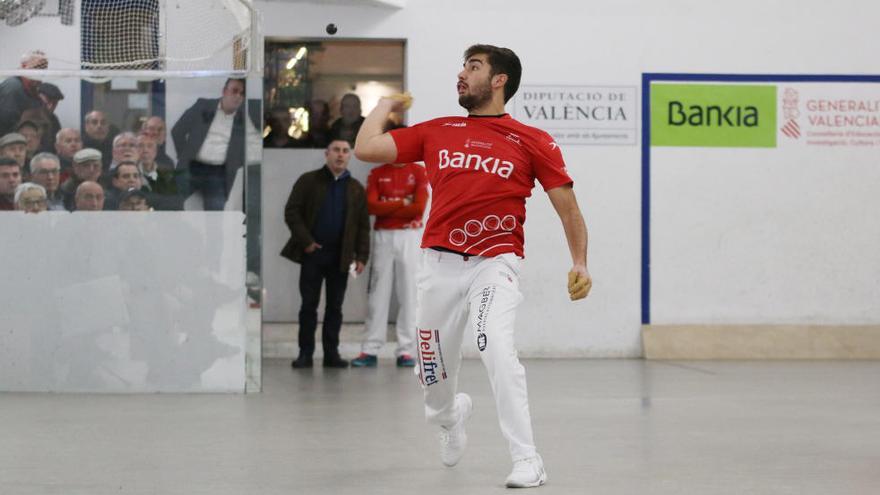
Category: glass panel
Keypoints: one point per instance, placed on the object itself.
(137, 278)
(253, 248)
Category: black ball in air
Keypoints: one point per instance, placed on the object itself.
(331, 28)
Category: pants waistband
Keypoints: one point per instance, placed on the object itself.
(443, 250)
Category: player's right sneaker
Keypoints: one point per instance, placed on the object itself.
(527, 473)
(453, 440)
(405, 361)
(365, 360)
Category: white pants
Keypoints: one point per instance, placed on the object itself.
(395, 256)
(480, 294)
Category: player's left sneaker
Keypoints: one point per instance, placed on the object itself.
(527, 473)
(453, 440)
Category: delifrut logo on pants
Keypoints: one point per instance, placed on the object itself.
(431, 365)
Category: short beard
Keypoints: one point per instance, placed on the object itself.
(481, 97)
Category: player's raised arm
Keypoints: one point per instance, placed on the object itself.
(372, 144)
(565, 203)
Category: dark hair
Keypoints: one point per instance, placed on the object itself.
(119, 165)
(335, 139)
(242, 81)
(27, 123)
(8, 162)
(502, 61)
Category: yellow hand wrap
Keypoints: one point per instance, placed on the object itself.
(578, 285)
(405, 98)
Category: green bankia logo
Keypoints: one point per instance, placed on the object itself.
(713, 115)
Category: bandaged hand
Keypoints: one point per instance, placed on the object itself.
(579, 283)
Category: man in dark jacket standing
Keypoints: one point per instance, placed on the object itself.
(327, 216)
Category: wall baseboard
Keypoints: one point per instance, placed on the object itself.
(761, 341)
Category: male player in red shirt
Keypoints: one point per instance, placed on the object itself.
(481, 169)
(396, 195)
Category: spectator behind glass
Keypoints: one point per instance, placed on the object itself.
(86, 167)
(67, 143)
(158, 179)
(125, 149)
(14, 145)
(30, 198)
(214, 138)
(99, 134)
(34, 136)
(155, 128)
(10, 178)
(349, 123)
(40, 118)
(51, 95)
(134, 200)
(19, 93)
(45, 171)
(89, 197)
(280, 121)
(125, 176)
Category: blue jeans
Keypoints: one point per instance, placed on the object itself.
(210, 180)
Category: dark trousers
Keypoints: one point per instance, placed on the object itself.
(210, 180)
(315, 269)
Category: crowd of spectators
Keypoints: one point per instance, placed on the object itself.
(55, 162)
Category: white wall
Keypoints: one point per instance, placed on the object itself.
(600, 43)
(779, 235)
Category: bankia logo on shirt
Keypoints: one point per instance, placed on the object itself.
(475, 162)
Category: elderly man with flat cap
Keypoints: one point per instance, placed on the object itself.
(86, 167)
(14, 145)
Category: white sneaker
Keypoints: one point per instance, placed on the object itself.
(527, 473)
(453, 440)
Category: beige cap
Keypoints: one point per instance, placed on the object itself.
(12, 138)
(87, 155)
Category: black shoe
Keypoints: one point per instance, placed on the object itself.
(302, 362)
(335, 362)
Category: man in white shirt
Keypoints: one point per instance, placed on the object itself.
(213, 140)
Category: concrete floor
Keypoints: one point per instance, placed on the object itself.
(603, 427)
